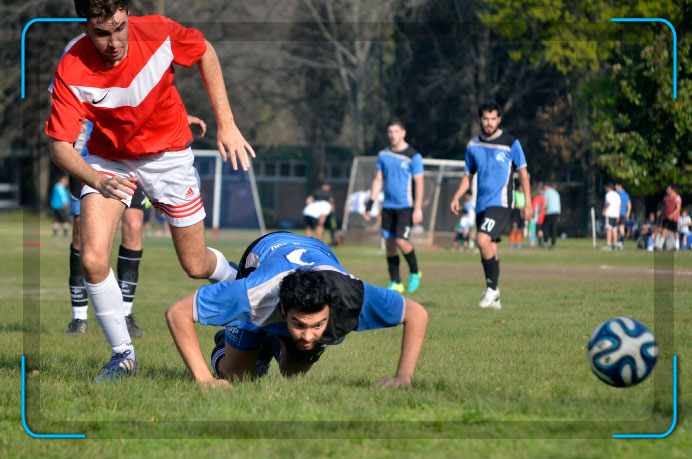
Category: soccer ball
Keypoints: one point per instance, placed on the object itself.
(622, 352)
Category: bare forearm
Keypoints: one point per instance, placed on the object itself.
(376, 186)
(418, 200)
(525, 184)
(210, 70)
(463, 187)
(66, 158)
(415, 325)
(182, 328)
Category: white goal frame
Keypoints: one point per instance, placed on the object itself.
(216, 208)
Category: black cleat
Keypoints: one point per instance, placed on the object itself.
(132, 327)
(76, 327)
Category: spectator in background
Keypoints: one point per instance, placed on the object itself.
(315, 214)
(672, 203)
(470, 207)
(538, 204)
(463, 231)
(552, 214)
(611, 212)
(684, 223)
(60, 202)
(646, 230)
(325, 193)
(517, 222)
(625, 210)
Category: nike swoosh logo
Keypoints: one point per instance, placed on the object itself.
(94, 101)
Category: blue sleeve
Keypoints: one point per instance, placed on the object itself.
(517, 155)
(380, 164)
(382, 308)
(223, 303)
(417, 164)
(469, 163)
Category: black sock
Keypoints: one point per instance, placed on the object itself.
(491, 268)
(78, 292)
(412, 261)
(128, 272)
(393, 263)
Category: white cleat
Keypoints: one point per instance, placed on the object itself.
(491, 299)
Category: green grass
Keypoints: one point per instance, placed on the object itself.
(483, 378)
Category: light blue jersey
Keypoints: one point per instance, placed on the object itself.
(552, 201)
(624, 200)
(494, 161)
(398, 169)
(252, 303)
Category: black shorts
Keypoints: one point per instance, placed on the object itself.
(138, 199)
(611, 223)
(61, 215)
(517, 221)
(311, 222)
(669, 224)
(492, 221)
(397, 223)
(622, 220)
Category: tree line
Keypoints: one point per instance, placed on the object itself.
(589, 99)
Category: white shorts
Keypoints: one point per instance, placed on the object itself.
(169, 180)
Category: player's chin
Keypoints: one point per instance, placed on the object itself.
(305, 345)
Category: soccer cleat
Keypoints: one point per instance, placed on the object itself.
(76, 327)
(491, 299)
(117, 366)
(396, 286)
(132, 327)
(414, 281)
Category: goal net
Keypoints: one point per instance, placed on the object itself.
(231, 195)
(441, 180)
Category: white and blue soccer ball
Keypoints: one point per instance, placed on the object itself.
(622, 352)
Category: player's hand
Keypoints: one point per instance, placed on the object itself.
(394, 382)
(527, 213)
(366, 216)
(199, 123)
(417, 217)
(117, 187)
(215, 383)
(232, 140)
(454, 206)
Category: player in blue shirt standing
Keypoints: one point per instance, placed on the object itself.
(494, 156)
(400, 171)
(625, 210)
(291, 300)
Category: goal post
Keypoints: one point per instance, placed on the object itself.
(441, 180)
(233, 194)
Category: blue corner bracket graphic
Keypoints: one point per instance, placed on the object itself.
(26, 27)
(675, 45)
(675, 410)
(26, 428)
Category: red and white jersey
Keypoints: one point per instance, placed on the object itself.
(134, 106)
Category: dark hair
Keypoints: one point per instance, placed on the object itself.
(609, 185)
(307, 291)
(101, 9)
(489, 107)
(396, 122)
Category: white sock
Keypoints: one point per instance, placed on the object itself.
(223, 271)
(107, 300)
(127, 308)
(80, 312)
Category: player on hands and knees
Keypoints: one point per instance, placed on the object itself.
(400, 172)
(494, 156)
(140, 139)
(292, 299)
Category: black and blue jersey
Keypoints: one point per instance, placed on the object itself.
(252, 303)
(494, 161)
(398, 169)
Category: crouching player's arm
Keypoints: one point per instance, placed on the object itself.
(415, 324)
(182, 327)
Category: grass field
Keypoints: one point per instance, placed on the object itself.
(509, 383)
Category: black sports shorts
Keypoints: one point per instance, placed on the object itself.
(492, 221)
(397, 223)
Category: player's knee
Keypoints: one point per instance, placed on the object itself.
(94, 264)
